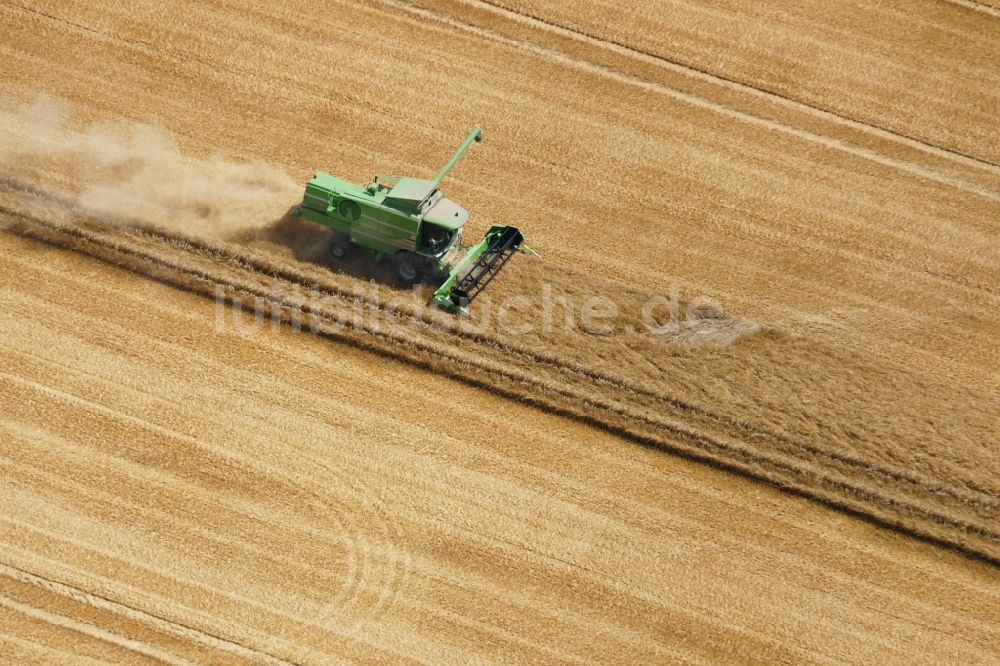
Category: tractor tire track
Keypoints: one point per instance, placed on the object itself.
(887, 498)
(737, 85)
(73, 594)
(980, 7)
(685, 94)
(474, 13)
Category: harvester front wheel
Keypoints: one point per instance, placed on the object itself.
(410, 267)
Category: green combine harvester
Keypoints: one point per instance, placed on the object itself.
(410, 221)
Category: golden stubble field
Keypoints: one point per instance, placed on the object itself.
(179, 492)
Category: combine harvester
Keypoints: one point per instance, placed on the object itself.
(410, 221)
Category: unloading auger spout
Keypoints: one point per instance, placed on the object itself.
(476, 135)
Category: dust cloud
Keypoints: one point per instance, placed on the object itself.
(133, 172)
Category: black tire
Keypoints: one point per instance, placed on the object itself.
(409, 267)
(340, 247)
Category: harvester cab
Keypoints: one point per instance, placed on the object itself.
(410, 221)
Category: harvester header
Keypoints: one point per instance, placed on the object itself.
(410, 221)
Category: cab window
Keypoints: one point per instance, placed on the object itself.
(434, 238)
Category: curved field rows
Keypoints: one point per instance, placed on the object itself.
(178, 492)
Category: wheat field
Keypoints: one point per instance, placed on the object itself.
(808, 473)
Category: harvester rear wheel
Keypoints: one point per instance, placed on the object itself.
(410, 267)
(340, 247)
